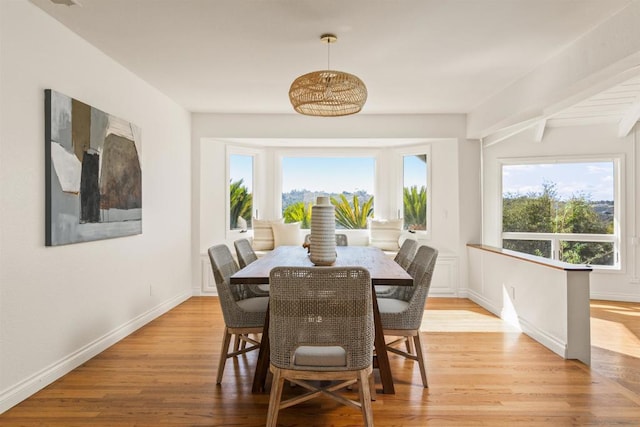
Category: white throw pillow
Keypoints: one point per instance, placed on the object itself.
(286, 234)
(262, 233)
(384, 234)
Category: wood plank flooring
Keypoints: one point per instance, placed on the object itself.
(481, 373)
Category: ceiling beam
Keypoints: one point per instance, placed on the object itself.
(629, 119)
(510, 131)
(539, 129)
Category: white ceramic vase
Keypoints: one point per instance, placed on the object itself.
(323, 232)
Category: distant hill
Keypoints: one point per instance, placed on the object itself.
(604, 209)
(307, 196)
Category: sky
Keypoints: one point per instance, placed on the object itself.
(329, 174)
(335, 175)
(594, 179)
(242, 167)
(338, 174)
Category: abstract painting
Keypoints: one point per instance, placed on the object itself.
(93, 175)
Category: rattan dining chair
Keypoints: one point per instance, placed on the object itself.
(341, 239)
(401, 316)
(243, 314)
(406, 253)
(320, 328)
(246, 255)
(403, 258)
(245, 252)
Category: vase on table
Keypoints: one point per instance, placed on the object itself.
(323, 232)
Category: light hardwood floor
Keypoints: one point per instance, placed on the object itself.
(481, 373)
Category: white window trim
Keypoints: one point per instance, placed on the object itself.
(399, 203)
(619, 212)
(257, 191)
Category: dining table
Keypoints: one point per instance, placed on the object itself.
(382, 270)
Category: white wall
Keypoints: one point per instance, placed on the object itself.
(575, 141)
(446, 140)
(547, 301)
(61, 305)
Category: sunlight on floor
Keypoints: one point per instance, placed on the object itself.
(614, 336)
(463, 321)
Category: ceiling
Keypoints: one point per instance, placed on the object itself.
(607, 106)
(415, 56)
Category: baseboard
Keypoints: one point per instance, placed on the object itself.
(608, 296)
(483, 302)
(549, 341)
(16, 394)
(552, 343)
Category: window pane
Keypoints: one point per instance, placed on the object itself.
(240, 191)
(414, 192)
(532, 247)
(593, 253)
(349, 181)
(558, 198)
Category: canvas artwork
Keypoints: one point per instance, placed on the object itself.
(93, 175)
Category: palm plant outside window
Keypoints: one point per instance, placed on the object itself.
(240, 191)
(414, 192)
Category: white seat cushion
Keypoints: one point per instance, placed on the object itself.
(308, 355)
(391, 305)
(254, 305)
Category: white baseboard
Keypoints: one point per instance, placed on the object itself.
(608, 296)
(19, 392)
(551, 342)
(482, 301)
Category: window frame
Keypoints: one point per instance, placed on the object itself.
(399, 188)
(257, 154)
(618, 187)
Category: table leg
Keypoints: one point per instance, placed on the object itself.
(262, 365)
(381, 349)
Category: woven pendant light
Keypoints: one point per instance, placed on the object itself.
(327, 93)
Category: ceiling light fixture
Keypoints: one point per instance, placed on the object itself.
(327, 93)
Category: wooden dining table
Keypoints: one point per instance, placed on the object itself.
(382, 269)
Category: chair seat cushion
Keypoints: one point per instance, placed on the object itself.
(254, 305)
(392, 305)
(310, 355)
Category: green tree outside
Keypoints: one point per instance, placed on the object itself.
(544, 212)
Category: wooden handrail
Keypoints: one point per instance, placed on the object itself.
(558, 265)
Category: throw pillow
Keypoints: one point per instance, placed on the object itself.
(384, 234)
(262, 233)
(286, 234)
